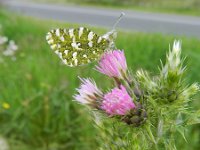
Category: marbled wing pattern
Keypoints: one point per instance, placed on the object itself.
(77, 46)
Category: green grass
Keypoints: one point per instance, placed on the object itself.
(185, 7)
(39, 89)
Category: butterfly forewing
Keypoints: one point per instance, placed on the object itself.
(77, 46)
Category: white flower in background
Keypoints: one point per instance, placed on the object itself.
(3, 40)
(11, 48)
(3, 144)
(7, 47)
(8, 52)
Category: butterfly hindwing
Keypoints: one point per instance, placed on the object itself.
(77, 46)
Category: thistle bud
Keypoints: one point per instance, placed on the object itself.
(136, 117)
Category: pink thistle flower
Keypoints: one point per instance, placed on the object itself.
(113, 64)
(89, 94)
(117, 102)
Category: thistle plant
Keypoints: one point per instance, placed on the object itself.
(140, 111)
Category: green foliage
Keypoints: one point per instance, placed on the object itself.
(38, 88)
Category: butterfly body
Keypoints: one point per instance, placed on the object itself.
(78, 46)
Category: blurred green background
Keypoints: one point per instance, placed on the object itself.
(38, 88)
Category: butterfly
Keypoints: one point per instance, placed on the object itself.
(80, 46)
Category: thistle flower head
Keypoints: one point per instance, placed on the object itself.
(113, 64)
(174, 63)
(89, 94)
(117, 102)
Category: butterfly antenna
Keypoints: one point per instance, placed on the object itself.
(118, 20)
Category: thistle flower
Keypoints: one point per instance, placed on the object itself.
(151, 99)
(117, 102)
(89, 94)
(113, 64)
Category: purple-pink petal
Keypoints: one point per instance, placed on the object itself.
(117, 102)
(113, 64)
(87, 90)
